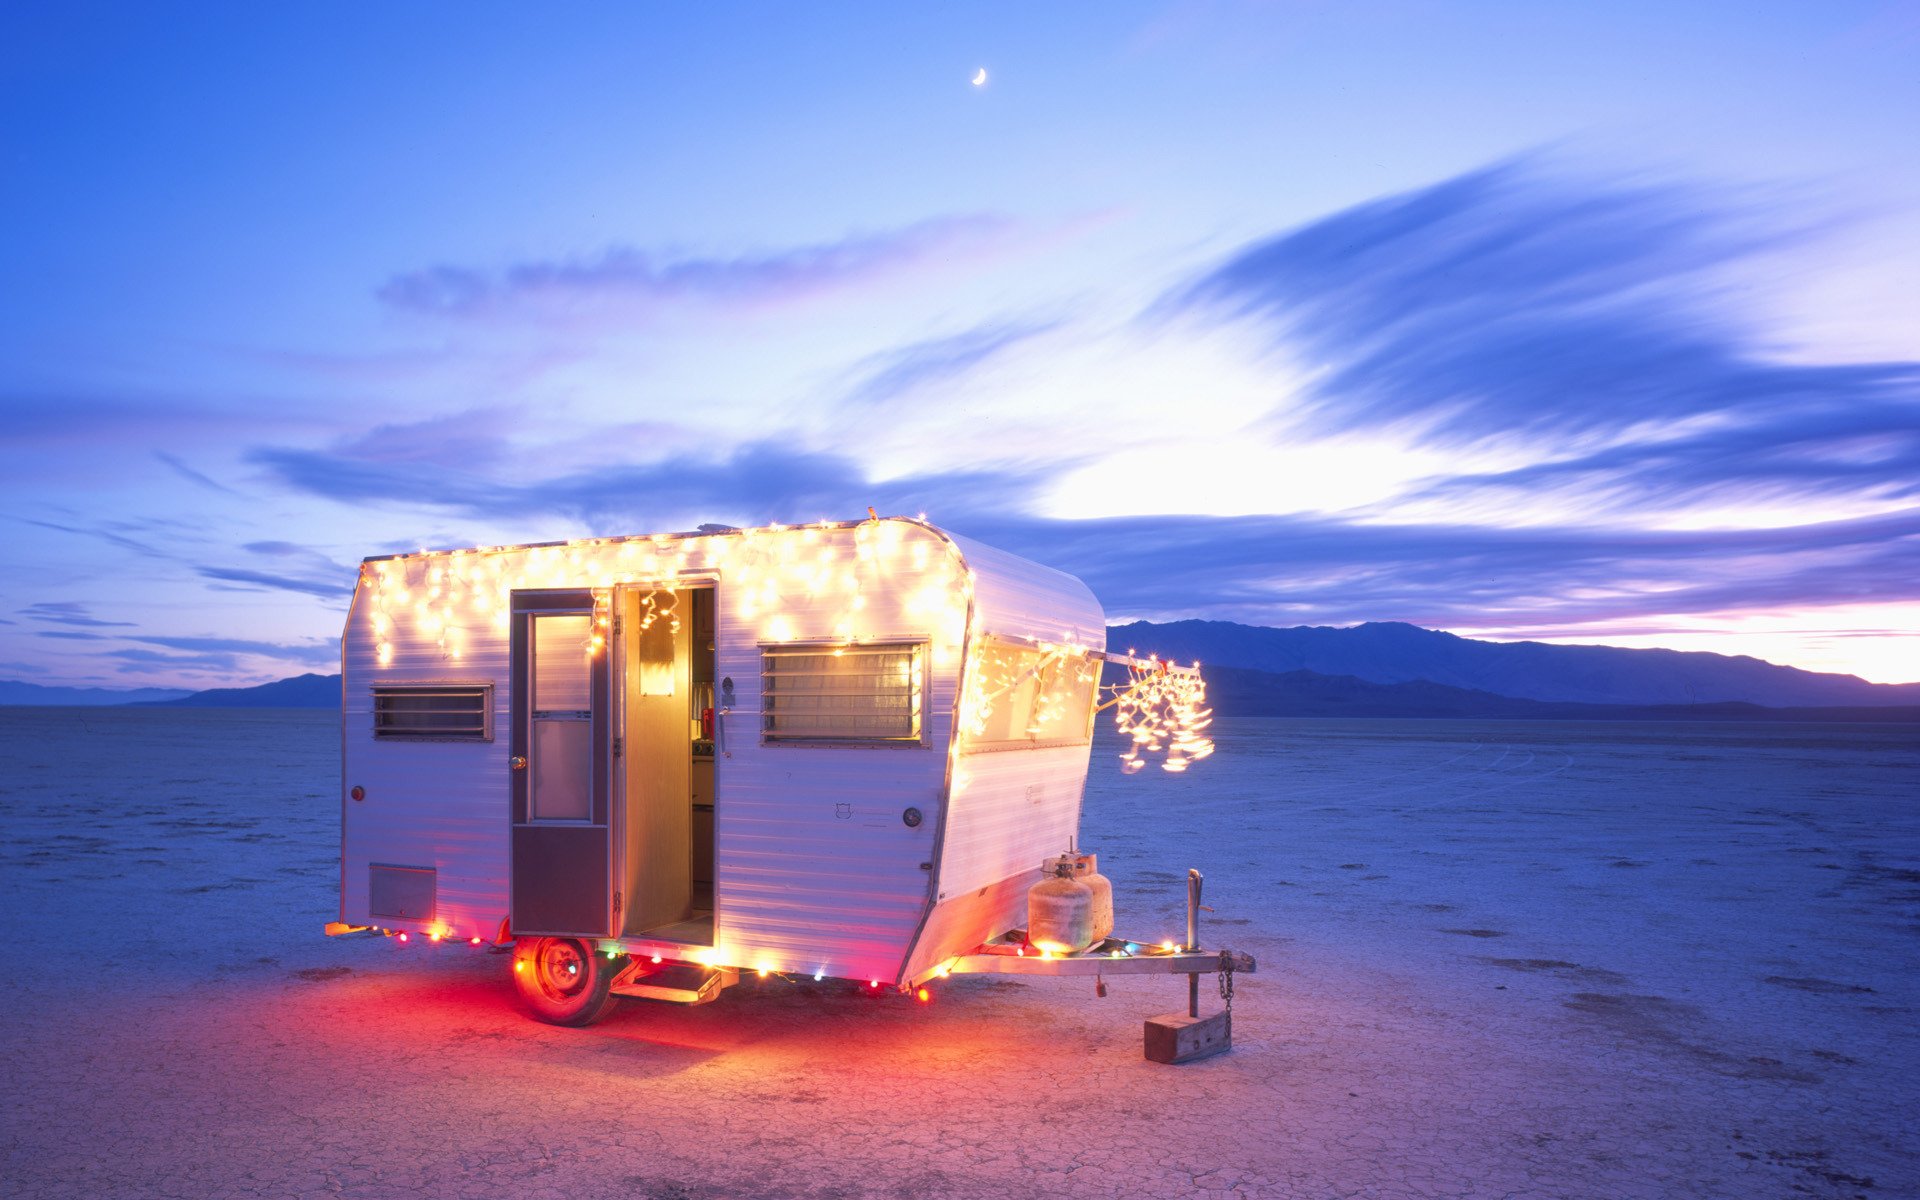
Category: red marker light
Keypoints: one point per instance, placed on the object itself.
(475, 941)
(403, 936)
(925, 995)
(873, 983)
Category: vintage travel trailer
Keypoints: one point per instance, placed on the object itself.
(841, 750)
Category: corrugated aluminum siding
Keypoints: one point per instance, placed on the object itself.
(1008, 809)
(815, 867)
(429, 804)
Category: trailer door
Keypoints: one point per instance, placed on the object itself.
(561, 845)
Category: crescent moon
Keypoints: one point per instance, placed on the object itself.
(980, 77)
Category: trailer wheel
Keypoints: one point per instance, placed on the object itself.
(562, 981)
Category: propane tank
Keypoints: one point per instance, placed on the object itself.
(1087, 870)
(1060, 912)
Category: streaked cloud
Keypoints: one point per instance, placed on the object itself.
(316, 653)
(1872, 451)
(1525, 301)
(188, 473)
(627, 276)
(758, 482)
(135, 660)
(68, 612)
(1290, 570)
(1586, 328)
(326, 590)
(96, 420)
(890, 375)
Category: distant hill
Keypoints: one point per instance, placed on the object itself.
(1396, 653)
(14, 692)
(1236, 691)
(301, 691)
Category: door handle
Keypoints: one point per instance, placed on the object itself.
(518, 762)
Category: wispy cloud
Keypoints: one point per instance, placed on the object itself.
(629, 277)
(104, 532)
(305, 570)
(473, 439)
(1585, 320)
(186, 472)
(1872, 451)
(135, 660)
(758, 482)
(94, 420)
(890, 375)
(1279, 570)
(285, 583)
(305, 652)
(68, 612)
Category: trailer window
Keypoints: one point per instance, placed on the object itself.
(864, 695)
(434, 712)
(1020, 697)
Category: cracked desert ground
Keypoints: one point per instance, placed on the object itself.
(1496, 960)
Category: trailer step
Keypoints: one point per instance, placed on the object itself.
(677, 984)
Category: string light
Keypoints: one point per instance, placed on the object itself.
(851, 581)
(1162, 710)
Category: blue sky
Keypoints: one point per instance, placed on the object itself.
(1520, 320)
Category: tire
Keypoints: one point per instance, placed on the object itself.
(562, 981)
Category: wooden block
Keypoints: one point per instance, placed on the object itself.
(1179, 1038)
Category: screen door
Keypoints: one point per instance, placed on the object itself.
(561, 848)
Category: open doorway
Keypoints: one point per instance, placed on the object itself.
(665, 753)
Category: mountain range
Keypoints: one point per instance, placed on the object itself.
(15, 692)
(1395, 653)
(1385, 669)
(301, 691)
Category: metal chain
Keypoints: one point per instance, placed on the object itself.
(1226, 979)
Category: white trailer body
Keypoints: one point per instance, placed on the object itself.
(841, 749)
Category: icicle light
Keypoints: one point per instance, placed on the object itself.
(1162, 710)
(871, 579)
